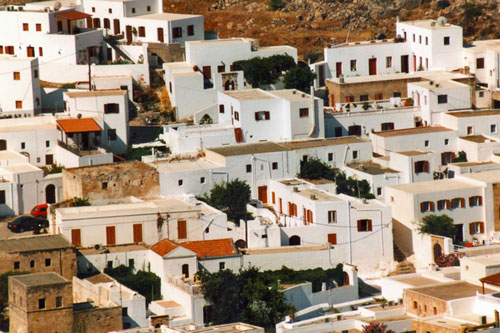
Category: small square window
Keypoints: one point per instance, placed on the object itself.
(332, 216)
(353, 65)
(26, 27)
(222, 265)
(19, 104)
(133, 10)
(93, 9)
(110, 264)
(388, 62)
(131, 263)
(17, 264)
(355, 155)
(38, 27)
(110, 11)
(41, 303)
(304, 112)
(379, 191)
(446, 141)
(493, 128)
(248, 168)
(58, 301)
(442, 99)
(426, 143)
(469, 130)
(17, 76)
(446, 40)
(481, 94)
(202, 180)
(180, 182)
(112, 134)
(47, 262)
(330, 157)
(190, 30)
(148, 8)
(104, 185)
(479, 63)
(275, 165)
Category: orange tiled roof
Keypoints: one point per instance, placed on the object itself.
(212, 248)
(78, 125)
(73, 15)
(163, 247)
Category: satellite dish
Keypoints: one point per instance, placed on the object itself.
(442, 20)
(57, 6)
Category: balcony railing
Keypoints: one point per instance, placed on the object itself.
(188, 286)
(82, 152)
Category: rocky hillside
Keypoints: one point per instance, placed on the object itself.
(311, 25)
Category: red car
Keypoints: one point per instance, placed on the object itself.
(40, 210)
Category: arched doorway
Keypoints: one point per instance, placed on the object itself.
(185, 270)
(346, 279)
(437, 251)
(50, 194)
(294, 240)
(240, 244)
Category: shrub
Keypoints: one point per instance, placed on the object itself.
(442, 4)
(147, 284)
(440, 225)
(276, 4)
(79, 202)
(448, 260)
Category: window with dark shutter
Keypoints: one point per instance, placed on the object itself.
(332, 239)
(111, 108)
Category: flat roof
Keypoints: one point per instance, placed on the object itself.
(416, 281)
(490, 176)
(413, 131)
(483, 45)
(414, 77)
(96, 93)
(448, 291)
(477, 138)
(168, 304)
(34, 243)
(20, 168)
(184, 165)
(292, 95)
(40, 279)
(471, 113)
(125, 166)
(438, 84)
(371, 168)
(113, 249)
(434, 186)
(221, 41)
(429, 24)
(21, 124)
(250, 94)
(249, 148)
(471, 164)
(344, 140)
(286, 249)
(412, 152)
(163, 16)
(318, 195)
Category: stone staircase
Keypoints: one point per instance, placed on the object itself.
(404, 266)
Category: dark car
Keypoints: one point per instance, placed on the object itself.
(24, 223)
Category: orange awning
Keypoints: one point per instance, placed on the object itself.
(78, 125)
(73, 15)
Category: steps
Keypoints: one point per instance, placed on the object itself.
(398, 255)
(405, 267)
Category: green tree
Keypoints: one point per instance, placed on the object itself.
(147, 284)
(300, 78)
(314, 168)
(260, 71)
(441, 225)
(231, 198)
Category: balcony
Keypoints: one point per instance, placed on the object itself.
(81, 151)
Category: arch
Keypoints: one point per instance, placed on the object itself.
(229, 85)
(346, 279)
(437, 251)
(50, 194)
(240, 244)
(294, 240)
(32, 263)
(3, 145)
(185, 270)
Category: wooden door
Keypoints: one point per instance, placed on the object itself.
(263, 194)
(110, 235)
(160, 35)
(414, 63)
(116, 26)
(97, 23)
(128, 32)
(76, 237)
(49, 159)
(338, 68)
(405, 67)
(207, 72)
(321, 75)
(137, 233)
(181, 229)
(372, 65)
(31, 52)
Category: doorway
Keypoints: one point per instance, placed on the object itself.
(263, 194)
(128, 32)
(405, 66)
(437, 251)
(50, 194)
(372, 66)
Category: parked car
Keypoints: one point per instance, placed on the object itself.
(40, 210)
(26, 222)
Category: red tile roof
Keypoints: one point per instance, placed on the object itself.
(78, 125)
(163, 247)
(73, 15)
(212, 248)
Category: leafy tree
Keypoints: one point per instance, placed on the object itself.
(231, 198)
(276, 4)
(147, 284)
(441, 225)
(316, 276)
(260, 71)
(300, 78)
(461, 157)
(314, 168)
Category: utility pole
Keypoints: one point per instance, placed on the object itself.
(90, 75)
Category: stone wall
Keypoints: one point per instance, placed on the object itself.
(423, 305)
(496, 205)
(97, 320)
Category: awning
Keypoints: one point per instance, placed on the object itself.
(82, 125)
(73, 15)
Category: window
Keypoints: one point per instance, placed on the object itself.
(38, 27)
(110, 10)
(221, 108)
(332, 216)
(387, 126)
(493, 128)
(304, 112)
(93, 9)
(275, 165)
(458, 203)
(9, 49)
(1, 49)
(35, 73)
(142, 32)
(469, 130)
(332, 239)
(379, 191)
(446, 141)
(17, 76)
(420, 39)
(475, 201)
(222, 265)
(273, 197)
(364, 225)
(236, 115)
(446, 40)
(426, 206)
(421, 166)
(221, 68)
(413, 38)
(177, 32)
(17, 264)
(249, 168)
(476, 228)
(23, 145)
(19, 104)
(355, 154)
(133, 10)
(262, 115)
(434, 310)
(26, 27)
(330, 157)
(47, 143)
(443, 204)
(111, 108)
(47, 262)
(41, 303)
(107, 25)
(58, 301)
(180, 182)
(111, 134)
(388, 62)
(442, 99)
(353, 65)
(479, 63)
(181, 229)
(415, 304)
(40, 51)
(190, 30)
(426, 143)
(396, 94)
(202, 180)
(110, 264)
(148, 8)
(426, 40)
(104, 185)
(363, 98)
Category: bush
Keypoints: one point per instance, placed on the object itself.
(52, 169)
(276, 4)
(448, 260)
(259, 71)
(300, 78)
(147, 284)
(442, 4)
(231, 198)
(440, 225)
(206, 119)
(79, 202)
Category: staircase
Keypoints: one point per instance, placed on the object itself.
(398, 255)
(404, 266)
